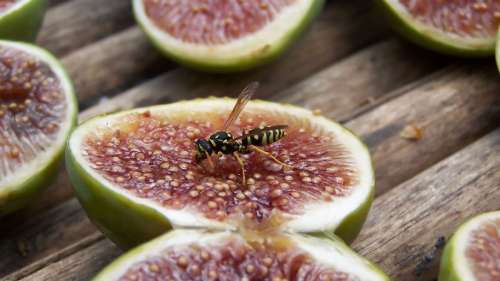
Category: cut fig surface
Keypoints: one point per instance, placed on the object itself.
(195, 255)
(224, 35)
(37, 111)
(474, 251)
(465, 27)
(153, 158)
(147, 156)
(32, 107)
(214, 22)
(474, 18)
(483, 252)
(5, 4)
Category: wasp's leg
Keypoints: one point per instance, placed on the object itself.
(242, 165)
(210, 162)
(261, 151)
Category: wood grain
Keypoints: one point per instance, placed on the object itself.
(35, 238)
(407, 221)
(113, 64)
(74, 24)
(75, 266)
(358, 81)
(453, 109)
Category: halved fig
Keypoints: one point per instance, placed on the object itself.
(225, 256)
(473, 253)
(37, 112)
(135, 172)
(21, 19)
(224, 35)
(463, 27)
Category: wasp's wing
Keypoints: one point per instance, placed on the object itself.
(242, 101)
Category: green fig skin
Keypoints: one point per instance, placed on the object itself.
(447, 47)
(342, 244)
(125, 222)
(23, 23)
(256, 59)
(447, 271)
(351, 226)
(18, 197)
(13, 200)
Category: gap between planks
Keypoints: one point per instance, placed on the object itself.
(455, 80)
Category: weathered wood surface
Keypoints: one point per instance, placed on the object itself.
(453, 109)
(375, 85)
(128, 59)
(406, 222)
(74, 24)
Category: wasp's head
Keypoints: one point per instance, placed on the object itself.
(203, 148)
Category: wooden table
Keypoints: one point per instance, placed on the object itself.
(351, 68)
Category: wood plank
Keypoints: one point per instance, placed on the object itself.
(403, 226)
(358, 81)
(113, 64)
(74, 267)
(77, 23)
(161, 89)
(452, 111)
(34, 239)
(407, 221)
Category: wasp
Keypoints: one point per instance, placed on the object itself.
(223, 143)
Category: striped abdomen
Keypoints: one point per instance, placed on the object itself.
(263, 136)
